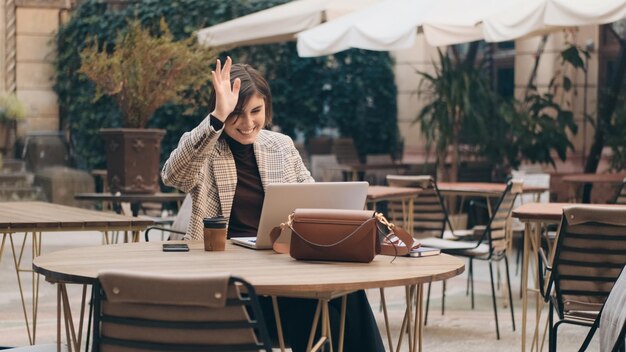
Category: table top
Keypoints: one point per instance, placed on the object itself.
(549, 212)
(269, 272)
(380, 193)
(108, 197)
(595, 178)
(41, 216)
(482, 188)
(367, 167)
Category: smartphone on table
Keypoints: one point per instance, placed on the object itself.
(175, 247)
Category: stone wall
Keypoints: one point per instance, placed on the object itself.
(30, 26)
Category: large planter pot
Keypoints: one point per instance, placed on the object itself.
(133, 159)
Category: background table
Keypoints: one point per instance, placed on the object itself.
(135, 200)
(357, 171)
(481, 189)
(38, 217)
(270, 273)
(578, 180)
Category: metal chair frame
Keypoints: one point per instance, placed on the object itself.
(551, 286)
(493, 255)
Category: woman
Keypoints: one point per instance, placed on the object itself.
(225, 164)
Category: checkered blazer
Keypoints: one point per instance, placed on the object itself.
(203, 166)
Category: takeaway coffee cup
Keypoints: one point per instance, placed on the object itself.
(215, 233)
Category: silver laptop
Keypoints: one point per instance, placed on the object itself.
(281, 199)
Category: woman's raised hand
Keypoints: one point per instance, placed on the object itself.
(225, 96)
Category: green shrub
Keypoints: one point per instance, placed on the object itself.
(353, 91)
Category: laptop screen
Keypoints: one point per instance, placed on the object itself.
(281, 199)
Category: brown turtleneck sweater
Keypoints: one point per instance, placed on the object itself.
(249, 194)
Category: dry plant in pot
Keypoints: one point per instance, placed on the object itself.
(142, 73)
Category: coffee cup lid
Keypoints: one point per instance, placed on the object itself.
(216, 222)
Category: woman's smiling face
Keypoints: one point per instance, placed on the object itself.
(244, 126)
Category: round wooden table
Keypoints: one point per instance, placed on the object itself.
(271, 273)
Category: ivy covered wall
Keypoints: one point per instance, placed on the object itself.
(353, 91)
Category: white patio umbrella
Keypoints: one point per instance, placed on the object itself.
(386, 25)
(279, 23)
(584, 12)
(530, 17)
(393, 24)
(520, 19)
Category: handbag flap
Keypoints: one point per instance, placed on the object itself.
(332, 234)
(330, 216)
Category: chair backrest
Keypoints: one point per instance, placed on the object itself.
(589, 253)
(157, 312)
(377, 176)
(304, 155)
(620, 196)
(429, 213)
(534, 179)
(345, 151)
(182, 217)
(495, 233)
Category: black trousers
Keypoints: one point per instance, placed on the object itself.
(296, 314)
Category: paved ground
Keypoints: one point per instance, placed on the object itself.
(460, 329)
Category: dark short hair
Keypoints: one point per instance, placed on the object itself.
(252, 82)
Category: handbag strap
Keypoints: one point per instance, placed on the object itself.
(294, 232)
(275, 234)
(397, 242)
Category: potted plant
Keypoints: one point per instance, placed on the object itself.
(142, 73)
(11, 112)
(457, 94)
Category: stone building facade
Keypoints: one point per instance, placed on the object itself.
(27, 56)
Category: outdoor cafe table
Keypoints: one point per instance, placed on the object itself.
(271, 273)
(577, 180)
(35, 218)
(535, 216)
(482, 189)
(135, 200)
(357, 170)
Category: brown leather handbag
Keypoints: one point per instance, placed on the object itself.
(343, 235)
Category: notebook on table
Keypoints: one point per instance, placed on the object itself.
(281, 199)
